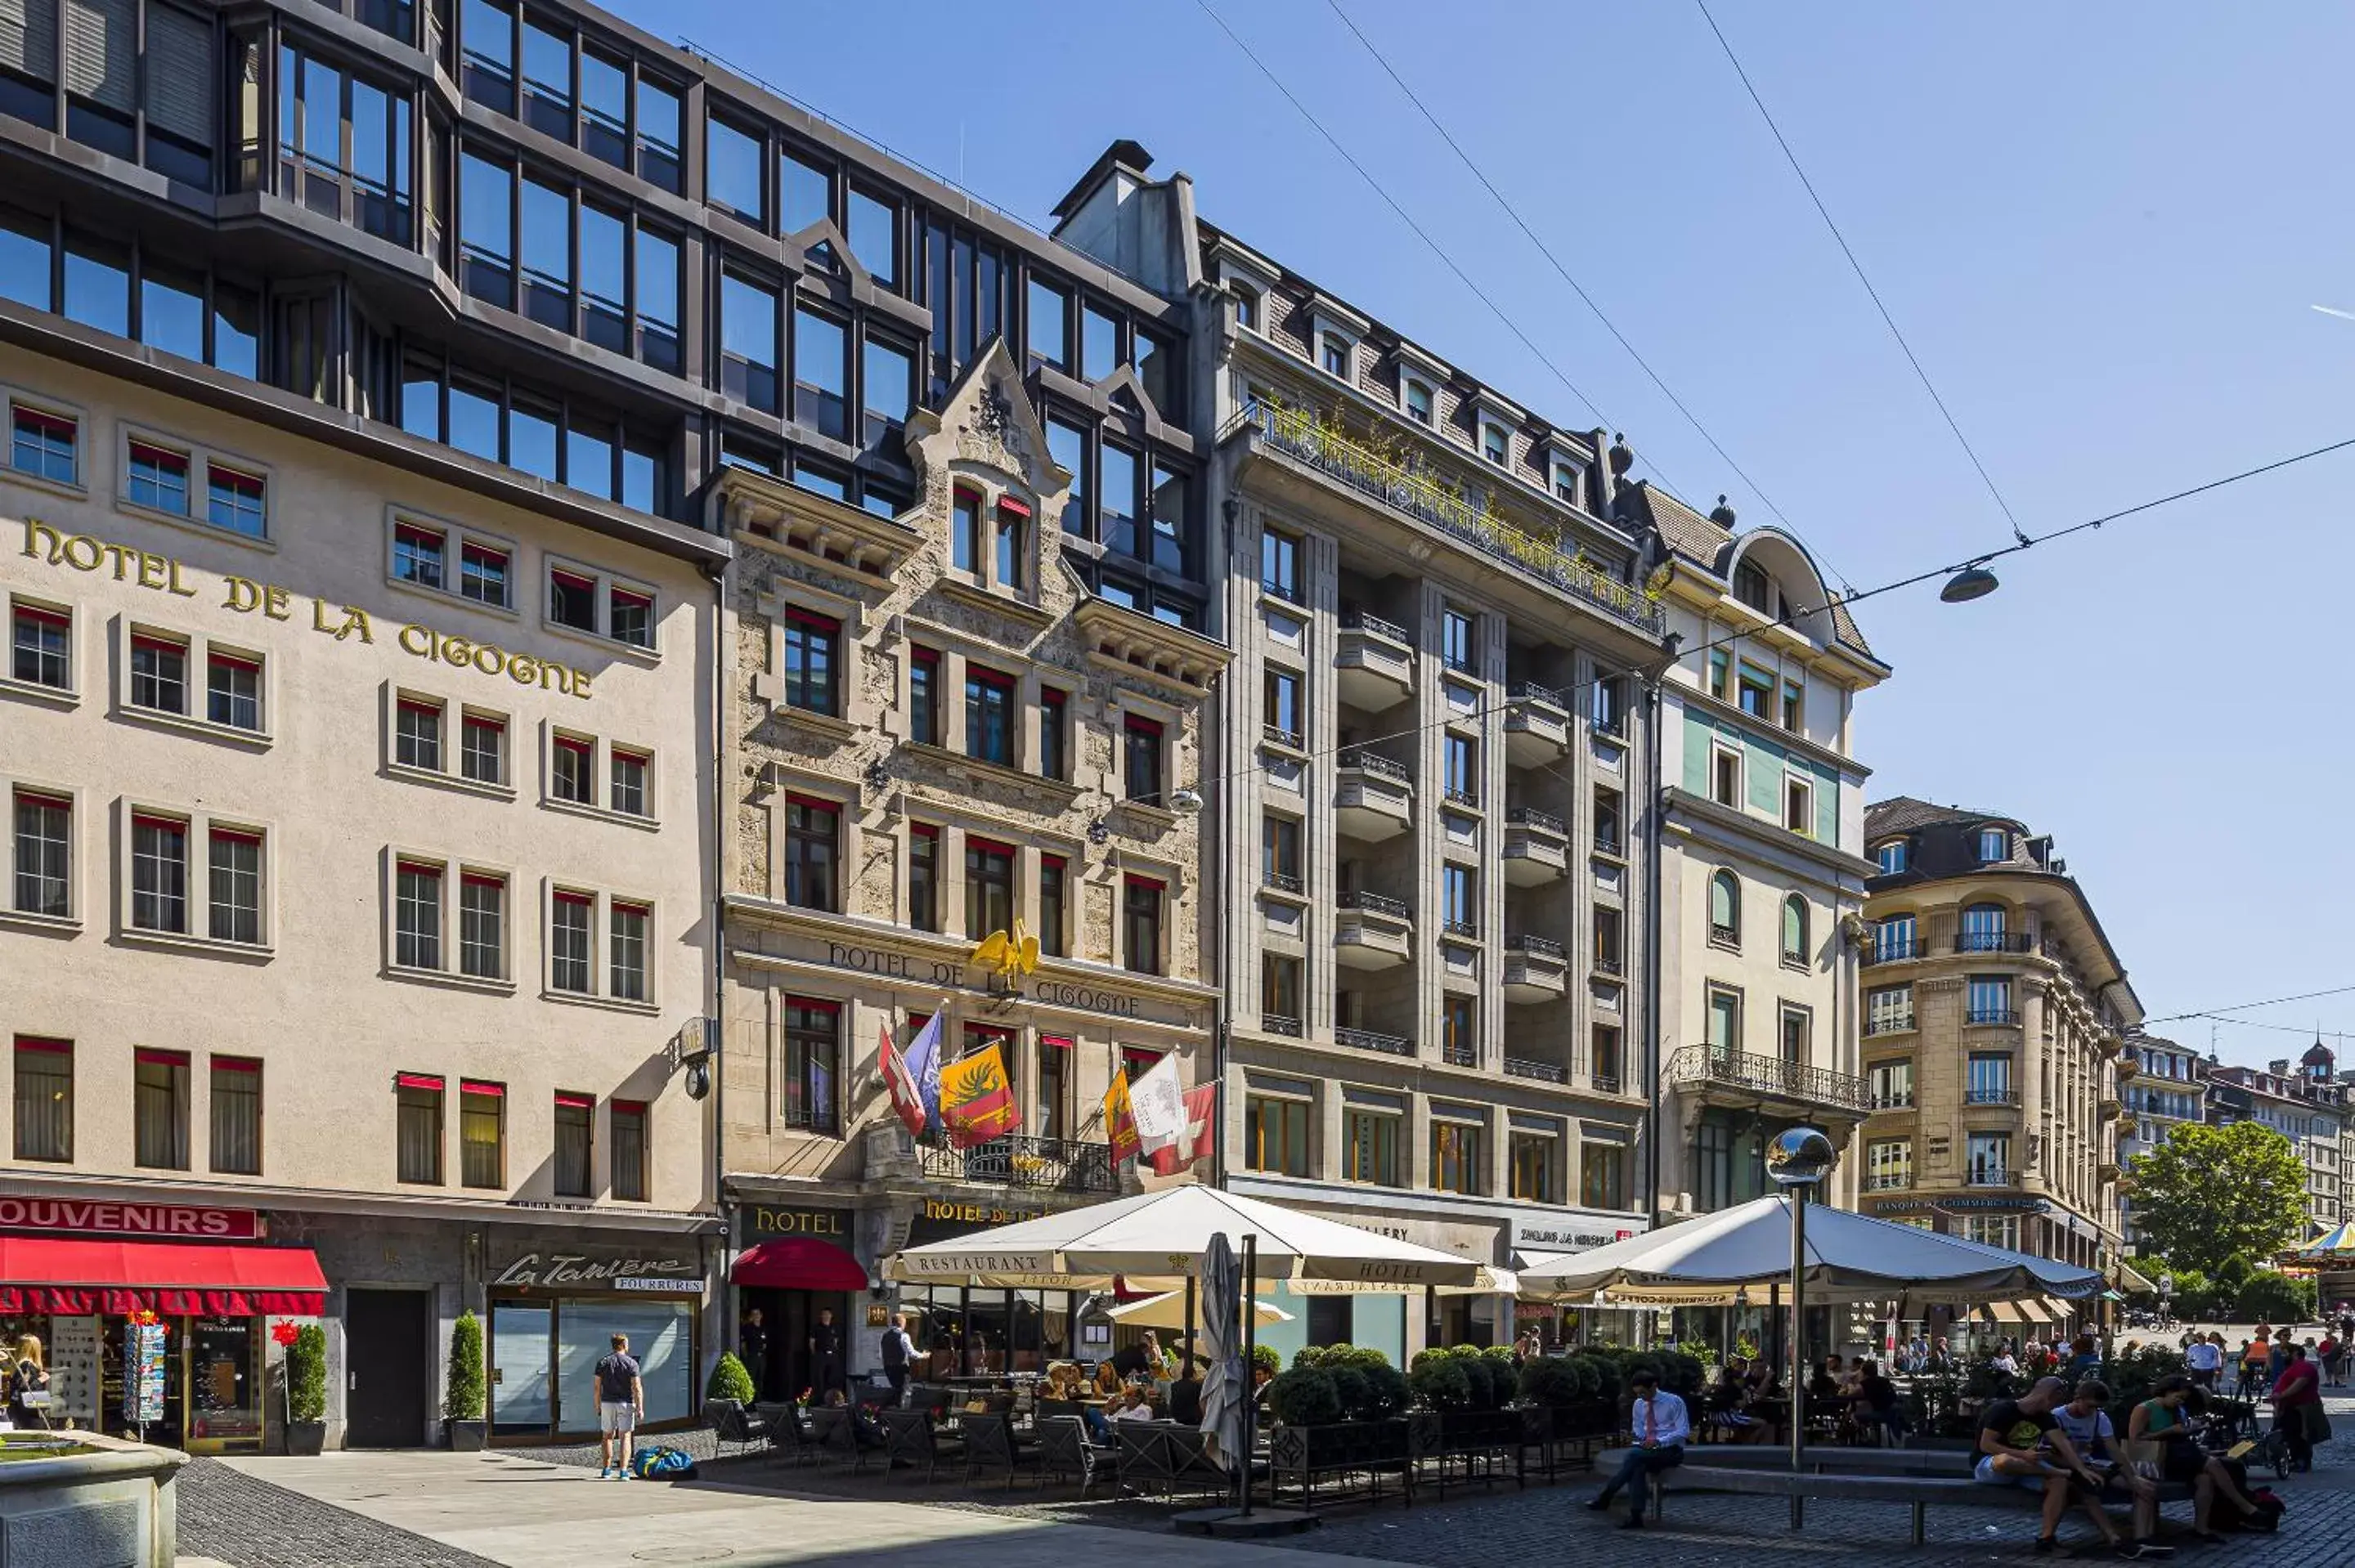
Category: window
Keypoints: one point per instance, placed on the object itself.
(418, 554)
(1889, 857)
(1719, 667)
(1143, 758)
(1279, 852)
(733, 168)
(988, 887)
(40, 646)
(233, 690)
(1333, 353)
(417, 733)
(627, 926)
(157, 477)
(482, 1134)
(628, 1118)
(1169, 527)
(1013, 540)
(1050, 313)
(1141, 925)
(965, 532)
(924, 876)
(805, 192)
(1531, 1159)
(923, 696)
(572, 937)
(159, 874)
(1891, 1085)
(1099, 344)
(1794, 697)
(234, 500)
(1495, 444)
(1461, 758)
(989, 716)
(418, 1136)
(235, 1108)
(571, 769)
(1993, 1230)
(658, 135)
(1993, 844)
(1279, 565)
(1459, 1036)
(1053, 885)
(43, 826)
(1275, 1135)
(1285, 723)
(1418, 402)
(811, 1044)
(1606, 821)
(1566, 485)
(1989, 1000)
(44, 1096)
(1982, 930)
(1370, 1147)
(235, 862)
(1455, 1157)
(1893, 937)
(486, 230)
(1754, 588)
(1603, 1064)
(1990, 1082)
(1756, 695)
(1456, 640)
(1724, 1021)
(43, 445)
(1726, 778)
(576, 1118)
(1887, 1163)
(821, 373)
(1798, 807)
(1610, 925)
(343, 142)
(1279, 994)
(483, 925)
(1246, 308)
(873, 226)
(159, 674)
(160, 1109)
(747, 342)
(1117, 502)
(1607, 709)
(1601, 1175)
(1794, 1025)
(1054, 734)
(1889, 1010)
(1459, 900)
(1067, 444)
(628, 771)
(1725, 908)
(813, 831)
(483, 749)
(1795, 947)
(1990, 1159)
(887, 381)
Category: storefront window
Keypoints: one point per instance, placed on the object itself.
(661, 1337)
(519, 1369)
(224, 1395)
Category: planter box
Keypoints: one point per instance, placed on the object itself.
(1349, 1458)
(306, 1439)
(1466, 1445)
(468, 1436)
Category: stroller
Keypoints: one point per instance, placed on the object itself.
(2231, 1423)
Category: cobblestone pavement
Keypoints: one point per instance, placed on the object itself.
(249, 1523)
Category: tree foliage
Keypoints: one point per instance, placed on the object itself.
(462, 1393)
(2210, 1192)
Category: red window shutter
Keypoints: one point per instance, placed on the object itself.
(814, 803)
(242, 482)
(568, 1101)
(1056, 1042)
(236, 1065)
(575, 744)
(429, 1082)
(172, 824)
(624, 597)
(800, 616)
(626, 906)
(571, 579)
(48, 424)
(160, 1058)
(45, 1044)
(1133, 879)
(35, 798)
(1012, 507)
(235, 836)
(419, 705)
(1137, 724)
(162, 457)
(581, 899)
(627, 1107)
(418, 868)
(477, 1086)
(421, 538)
(158, 644)
(814, 1003)
(988, 677)
(43, 617)
(233, 661)
(1051, 863)
(987, 846)
(483, 879)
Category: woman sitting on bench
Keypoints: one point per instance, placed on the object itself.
(2161, 1419)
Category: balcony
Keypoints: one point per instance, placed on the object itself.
(1606, 841)
(1536, 968)
(1894, 1101)
(1988, 1176)
(1369, 1039)
(1536, 727)
(2129, 1068)
(1372, 931)
(1605, 1081)
(1991, 1017)
(1892, 951)
(1543, 1071)
(1990, 1095)
(1537, 847)
(1373, 662)
(1609, 964)
(1306, 439)
(1995, 942)
(1039, 1164)
(1373, 797)
(1889, 1023)
(1887, 1181)
(1281, 881)
(1277, 1024)
(1459, 1056)
(1463, 930)
(1793, 1088)
(1289, 739)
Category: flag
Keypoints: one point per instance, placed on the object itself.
(1201, 1139)
(976, 1100)
(1120, 1125)
(907, 1098)
(922, 1063)
(1158, 1103)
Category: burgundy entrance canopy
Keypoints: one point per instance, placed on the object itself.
(77, 1275)
(799, 1263)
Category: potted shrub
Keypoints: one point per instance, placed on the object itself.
(464, 1392)
(730, 1378)
(307, 1389)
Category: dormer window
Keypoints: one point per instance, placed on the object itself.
(1496, 443)
(1995, 845)
(1246, 308)
(1890, 857)
(1333, 352)
(1566, 483)
(1754, 588)
(1418, 401)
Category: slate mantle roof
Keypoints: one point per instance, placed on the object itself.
(1686, 533)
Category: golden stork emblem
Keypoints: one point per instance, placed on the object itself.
(1010, 956)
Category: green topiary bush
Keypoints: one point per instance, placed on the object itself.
(1386, 1394)
(464, 1392)
(1359, 1356)
(1603, 1362)
(730, 1378)
(306, 1374)
(1304, 1396)
(1440, 1381)
(1555, 1382)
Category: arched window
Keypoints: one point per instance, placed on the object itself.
(1983, 929)
(1724, 908)
(1794, 930)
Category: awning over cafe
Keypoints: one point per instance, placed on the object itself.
(798, 1263)
(79, 1276)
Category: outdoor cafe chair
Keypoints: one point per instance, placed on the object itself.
(731, 1423)
(786, 1434)
(1064, 1450)
(911, 1436)
(988, 1446)
(833, 1435)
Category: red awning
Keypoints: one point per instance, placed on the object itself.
(799, 1263)
(75, 1276)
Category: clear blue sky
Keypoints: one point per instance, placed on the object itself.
(2102, 226)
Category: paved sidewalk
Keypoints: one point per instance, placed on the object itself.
(511, 1509)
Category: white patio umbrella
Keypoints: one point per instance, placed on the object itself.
(1851, 1257)
(1167, 1310)
(1223, 1383)
(1165, 1235)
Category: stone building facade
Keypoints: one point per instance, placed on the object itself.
(2306, 1103)
(1995, 1017)
(937, 732)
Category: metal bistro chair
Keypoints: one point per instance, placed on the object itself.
(834, 1436)
(786, 1439)
(911, 1436)
(731, 1422)
(1064, 1451)
(988, 1446)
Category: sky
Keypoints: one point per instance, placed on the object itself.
(2102, 227)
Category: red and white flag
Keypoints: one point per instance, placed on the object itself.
(1201, 1140)
(907, 1099)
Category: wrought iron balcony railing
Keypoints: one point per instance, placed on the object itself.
(1995, 942)
(1609, 964)
(1989, 1176)
(1533, 695)
(1300, 435)
(1467, 929)
(1604, 1082)
(1544, 1072)
(1277, 1024)
(1990, 1015)
(1366, 621)
(1277, 734)
(1990, 1095)
(1459, 796)
(1373, 904)
(1459, 1056)
(1530, 817)
(1049, 1164)
(1885, 1180)
(1891, 949)
(1371, 1040)
(1375, 763)
(1541, 946)
(1889, 1023)
(1282, 880)
(1704, 1065)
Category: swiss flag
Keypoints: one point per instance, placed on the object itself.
(907, 1099)
(1201, 1139)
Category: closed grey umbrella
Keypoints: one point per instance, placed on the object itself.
(1224, 1386)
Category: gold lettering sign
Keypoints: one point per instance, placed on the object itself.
(342, 622)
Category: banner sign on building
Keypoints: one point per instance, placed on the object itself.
(179, 1221)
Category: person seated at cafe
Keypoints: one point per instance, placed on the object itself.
(1107, 1378)
(1823, 1383)
(1186, 1396)
(1260, 1377)
(1131, 1405)
(1877, 1409)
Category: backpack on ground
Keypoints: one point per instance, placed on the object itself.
(662, 1465)
(2270, 1508)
